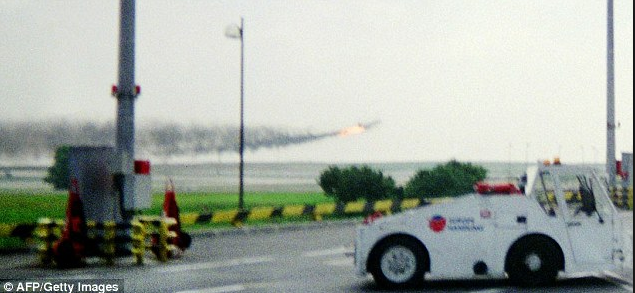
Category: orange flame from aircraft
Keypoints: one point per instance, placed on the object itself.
(353, 130)
(357, 129)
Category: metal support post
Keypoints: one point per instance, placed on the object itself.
(610, 99)
(125, 104)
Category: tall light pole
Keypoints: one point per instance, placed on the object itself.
(237, 32)
(126, 93)
(610, 98)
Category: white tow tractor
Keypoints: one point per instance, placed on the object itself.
(564, 223)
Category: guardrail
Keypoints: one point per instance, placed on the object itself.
(622, 198)
(316, 212)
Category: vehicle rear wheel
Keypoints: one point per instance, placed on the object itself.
(398, 263)
(533, 262)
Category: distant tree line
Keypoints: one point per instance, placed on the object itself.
(356, 183)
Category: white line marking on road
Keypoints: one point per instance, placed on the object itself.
(215, 264)
(223, 289)
(340, 262)
(328, 252)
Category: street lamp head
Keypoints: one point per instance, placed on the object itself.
(234, 31)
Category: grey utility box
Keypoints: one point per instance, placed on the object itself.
(92, 167)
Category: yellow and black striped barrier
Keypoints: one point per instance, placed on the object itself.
(317, 212)
(48, 231)
(138, 241)
(154, 234)
(623, 198)
(106, 239)
(19, 230)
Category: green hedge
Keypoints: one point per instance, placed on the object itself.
(353, 183)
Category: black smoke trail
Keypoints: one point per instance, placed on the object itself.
(40, 138)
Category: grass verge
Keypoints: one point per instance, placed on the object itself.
(29, 206)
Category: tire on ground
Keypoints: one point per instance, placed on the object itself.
(533, 262)
(398, 262)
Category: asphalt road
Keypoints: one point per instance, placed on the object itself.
(308, 259)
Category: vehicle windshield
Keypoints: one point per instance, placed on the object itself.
(581, 193)
(544, 193)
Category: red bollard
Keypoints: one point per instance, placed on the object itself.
(171, 210)
(69, 251)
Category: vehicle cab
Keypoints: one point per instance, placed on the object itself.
(564, 223)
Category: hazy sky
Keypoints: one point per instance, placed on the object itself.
(470, 80)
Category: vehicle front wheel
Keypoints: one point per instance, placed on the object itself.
(533, 262)
(398, 263)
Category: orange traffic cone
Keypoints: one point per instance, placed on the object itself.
(171, 210)
(69, 250)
